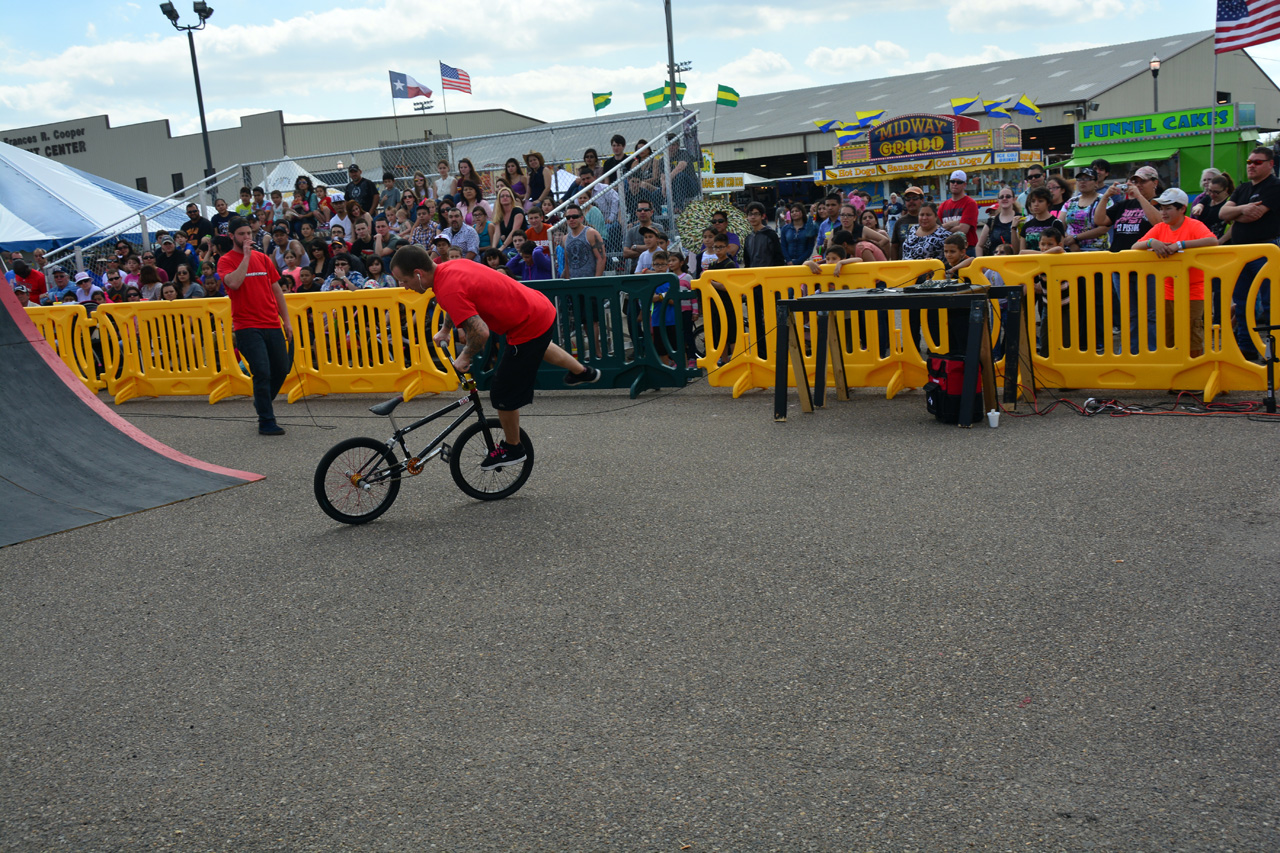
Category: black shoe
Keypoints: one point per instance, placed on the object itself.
(502, 456)
(590, 375)
(271, 428)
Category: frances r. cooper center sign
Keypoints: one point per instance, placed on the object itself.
(56, 143)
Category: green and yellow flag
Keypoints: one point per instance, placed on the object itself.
(726, 97)
(659, 98)
(601, 99)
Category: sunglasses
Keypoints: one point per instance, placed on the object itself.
(1034, 177)
(719, 221)
(1256, 162)
(113, 278)
(573, 216)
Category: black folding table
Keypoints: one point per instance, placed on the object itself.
(828, 304)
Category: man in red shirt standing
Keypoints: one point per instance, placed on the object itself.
(257, 311)
(959, 214)
(479, 299)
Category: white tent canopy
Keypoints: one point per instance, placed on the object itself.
(285, 175)
(48, 204)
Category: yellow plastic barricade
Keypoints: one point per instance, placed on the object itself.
(153, 349)
(1076, 301)
(752, 295)
(366, 341)
(71, 332)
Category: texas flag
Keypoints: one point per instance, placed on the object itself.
(404, 86)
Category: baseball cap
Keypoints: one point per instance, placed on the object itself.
(82, 276)
(916, 190)
(22, 288)
(1147, 172)
(1173, 195)
(1087, 172)
(167, 239)
(337, 243)
(54, 270)
(280, 227)
(959, 175)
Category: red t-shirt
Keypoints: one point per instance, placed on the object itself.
(253, 304)
(35, 284)
(965, 210)
(466, 289)
(1190, 229)
(539, 235)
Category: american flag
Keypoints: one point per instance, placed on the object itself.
(459, 80)
(1243, 23)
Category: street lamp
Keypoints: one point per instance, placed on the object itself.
(1155, 83)
(203, 12)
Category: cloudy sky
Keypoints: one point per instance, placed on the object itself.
(78, 58)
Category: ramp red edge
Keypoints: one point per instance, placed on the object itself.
(41, 346)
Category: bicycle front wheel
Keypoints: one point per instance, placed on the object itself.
(354, 481)
(471, 449)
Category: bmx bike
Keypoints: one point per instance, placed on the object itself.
(357, 480)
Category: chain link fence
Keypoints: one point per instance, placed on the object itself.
(562, 147)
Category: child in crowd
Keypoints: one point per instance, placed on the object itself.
(377, 274)
(262, 207)
(245, 207)
(724, 261)
(537, 230)
(955, 254)
(532, 264)
(663, 316)
(306, 281)
(455, 254)
(492, 258)
(440, 247)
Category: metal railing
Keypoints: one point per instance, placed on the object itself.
(562, 147)
(648, 179)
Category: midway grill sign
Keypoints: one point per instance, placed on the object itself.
(912, 135)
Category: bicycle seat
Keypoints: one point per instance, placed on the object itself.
(388, 407)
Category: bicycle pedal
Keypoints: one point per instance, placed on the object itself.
(444, 452)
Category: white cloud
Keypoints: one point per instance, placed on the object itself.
(862, 60)
(980, 16)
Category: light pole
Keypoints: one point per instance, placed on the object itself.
(203, 12)
(1155, 83)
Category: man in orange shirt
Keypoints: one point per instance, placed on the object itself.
(1175, 232)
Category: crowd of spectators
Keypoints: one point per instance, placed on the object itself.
(323, 241)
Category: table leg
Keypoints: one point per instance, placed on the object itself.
(780, 363)
(837, 355)
(797, 366)
(820, 359)
(977, 315)
(987, 363)
(1015, 331)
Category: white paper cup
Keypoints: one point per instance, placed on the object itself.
(993, 418)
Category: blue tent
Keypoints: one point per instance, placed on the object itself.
(48, 204)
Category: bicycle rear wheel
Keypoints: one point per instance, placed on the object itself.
(471, 449)
(354, 482)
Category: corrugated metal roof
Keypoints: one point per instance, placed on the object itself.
(1055, 78)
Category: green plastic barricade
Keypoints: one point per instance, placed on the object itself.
(607, 322)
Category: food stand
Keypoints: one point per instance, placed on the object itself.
(921, 150)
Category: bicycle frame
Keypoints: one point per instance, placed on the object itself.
(413, 464)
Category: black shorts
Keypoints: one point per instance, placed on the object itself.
(518, 371)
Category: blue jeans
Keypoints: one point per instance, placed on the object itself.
(267, 355)
(1242, 315)
(1134, 307)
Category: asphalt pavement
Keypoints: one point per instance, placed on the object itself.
(693, 629)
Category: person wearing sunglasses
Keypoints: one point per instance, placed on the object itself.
(1035, 178)
(1254, 213)
(959, 214)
